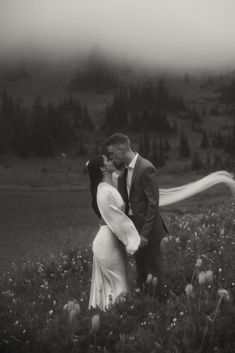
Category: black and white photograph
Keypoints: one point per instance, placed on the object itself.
(117, 189)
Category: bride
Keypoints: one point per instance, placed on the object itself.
(117, 234)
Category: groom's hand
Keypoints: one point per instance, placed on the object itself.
(143, 241)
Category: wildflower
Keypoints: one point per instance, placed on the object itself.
(209, 276)
(155, 281)
(16, 322)
(198, 263)
(124, 337)
(149, 278)
(202, 278)
(95, 322)
(223, 293)
(189, 290)
(50, 312)
(177, 240)
(164, 240)
(8, 293)
(73, 309)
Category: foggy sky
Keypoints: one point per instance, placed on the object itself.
(169, 33)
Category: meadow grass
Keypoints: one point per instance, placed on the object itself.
(44, 304)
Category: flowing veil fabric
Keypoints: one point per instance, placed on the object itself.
(172, 195)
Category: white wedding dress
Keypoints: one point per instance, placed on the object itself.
(118, 236)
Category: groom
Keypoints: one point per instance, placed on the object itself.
(138, 186)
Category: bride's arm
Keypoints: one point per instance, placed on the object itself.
(116, 220)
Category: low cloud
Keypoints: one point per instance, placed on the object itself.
(175, 34)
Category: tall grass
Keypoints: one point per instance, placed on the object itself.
(43, 306)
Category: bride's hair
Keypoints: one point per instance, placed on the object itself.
(94, 170)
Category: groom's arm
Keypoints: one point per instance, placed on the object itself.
(151, 191)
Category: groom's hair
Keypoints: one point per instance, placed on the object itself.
(117, 139)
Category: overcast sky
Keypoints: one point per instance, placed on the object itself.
(174, 33)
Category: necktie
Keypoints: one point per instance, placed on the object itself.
(126, 198)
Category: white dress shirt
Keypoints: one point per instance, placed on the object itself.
(130, 168)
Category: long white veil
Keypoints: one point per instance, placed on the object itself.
(172, 195)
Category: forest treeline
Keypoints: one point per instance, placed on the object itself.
(143, 109)
(43, 128)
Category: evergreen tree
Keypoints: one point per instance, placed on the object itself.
(184, 145)
(208, 162)
(197, 163)
(162, 94)
(167, 146)
(144, 145)
(154, 155)
(7, 111)
(141, 147)
(40, 140)
(205, 141)
(81, 147)
(162, 161)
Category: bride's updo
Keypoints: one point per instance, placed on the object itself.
(94, 170)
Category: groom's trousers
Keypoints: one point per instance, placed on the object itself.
(149, 261)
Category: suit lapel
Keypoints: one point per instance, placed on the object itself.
(135, 171)
(123, 189)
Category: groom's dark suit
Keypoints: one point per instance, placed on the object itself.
(144, 203)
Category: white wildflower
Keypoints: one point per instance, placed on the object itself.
(198, 263)
(202, 278)
(149, 278)
(189, 290)
(223, 293)
(209, 276)
(73, 309)
(155, 281)
(164, 240)
(95, 322)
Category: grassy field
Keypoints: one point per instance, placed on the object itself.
(45, 212)
(43, 304)
(35, 225)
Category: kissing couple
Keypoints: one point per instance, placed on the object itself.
(130, 221)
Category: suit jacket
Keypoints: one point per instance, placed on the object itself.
(144, 199)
